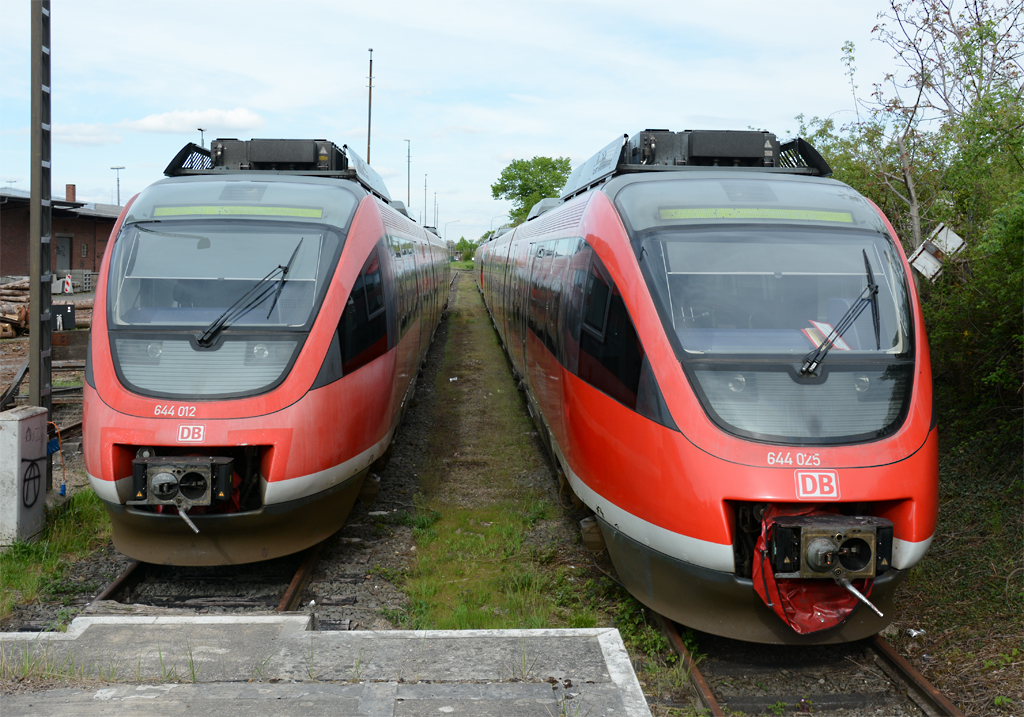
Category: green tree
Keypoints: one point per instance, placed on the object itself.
(526, 181)
(466, 248)
(942, 140)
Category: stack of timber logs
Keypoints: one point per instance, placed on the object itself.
(14, 309)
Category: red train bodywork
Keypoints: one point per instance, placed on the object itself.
(307, 443)
(668, 493)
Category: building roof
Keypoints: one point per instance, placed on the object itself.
(86, 210)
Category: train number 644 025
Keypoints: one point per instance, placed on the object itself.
(785, 458)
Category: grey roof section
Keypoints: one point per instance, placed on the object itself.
(86, 210)
(544, 205)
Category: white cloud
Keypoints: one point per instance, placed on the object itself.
(179, 121)
(85, 135)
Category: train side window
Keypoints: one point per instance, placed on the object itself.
(597, 302)
(610, 354)
(572, 300)
(363, 329)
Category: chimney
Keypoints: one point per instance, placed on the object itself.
(70, 191)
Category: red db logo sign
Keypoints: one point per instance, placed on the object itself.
(191, 434)
(817, 485)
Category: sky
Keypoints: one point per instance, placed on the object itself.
(471, 85)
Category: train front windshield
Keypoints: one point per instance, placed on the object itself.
(751, 275)
(213, 285)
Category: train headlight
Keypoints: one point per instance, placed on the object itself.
(737, 383)
(155, 349)
(861, 382)
(260, 351)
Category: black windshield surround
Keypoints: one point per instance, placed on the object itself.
(268, 334)
(758, 391)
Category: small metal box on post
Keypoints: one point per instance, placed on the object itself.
(22, 474)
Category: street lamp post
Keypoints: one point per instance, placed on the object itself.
(408, 170)
(118, 170)
(202, 142)
(453, 221)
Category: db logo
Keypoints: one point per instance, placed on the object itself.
(191, 434)
(817, 485)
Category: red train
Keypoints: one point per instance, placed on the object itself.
(259, 322)
(726, 356)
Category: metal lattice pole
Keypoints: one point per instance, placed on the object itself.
(40, 232)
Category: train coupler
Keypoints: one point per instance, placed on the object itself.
(840, 547)
(182, 482)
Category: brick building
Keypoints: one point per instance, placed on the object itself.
(80, 233)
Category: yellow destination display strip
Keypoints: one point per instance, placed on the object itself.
(807, 215)
(240, 210)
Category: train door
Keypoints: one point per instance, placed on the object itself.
(517, 299)
(507, 258)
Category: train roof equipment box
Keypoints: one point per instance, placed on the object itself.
(309, 157)
(654, 150)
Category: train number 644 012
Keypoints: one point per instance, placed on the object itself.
(785, 458)
(181, 411)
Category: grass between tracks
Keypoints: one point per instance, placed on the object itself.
(495, 549)
(484, 493)
(31, 570)
(968, 592)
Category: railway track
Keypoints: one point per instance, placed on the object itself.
(867, 677)
(256, 586)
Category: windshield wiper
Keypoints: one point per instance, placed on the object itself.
(868, 296)
(284, 273)
(245, 303)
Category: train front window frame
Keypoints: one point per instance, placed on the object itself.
(776, 280)
(160, 277)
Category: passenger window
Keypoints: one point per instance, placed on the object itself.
(363, 330)
(610, 356)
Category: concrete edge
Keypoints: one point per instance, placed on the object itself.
(293, 623)
(620, 669)
(296, 623)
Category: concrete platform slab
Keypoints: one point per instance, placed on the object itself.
(275, 665)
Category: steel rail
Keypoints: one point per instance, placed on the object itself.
(290, 599)
(922, 692)
(700, 687)
(122, 586)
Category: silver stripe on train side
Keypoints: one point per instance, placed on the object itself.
(282, 491)
(714, 556)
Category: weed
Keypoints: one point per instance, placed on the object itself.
(1002, 660)
(193, 668)
(259, 669)
(777, 708)
(537, 511)
(1001, 701)
(357, 669)
(520, 667)
(395, 576)
(166, 674)
(34, 570)
(308, 659)
(631, 619)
